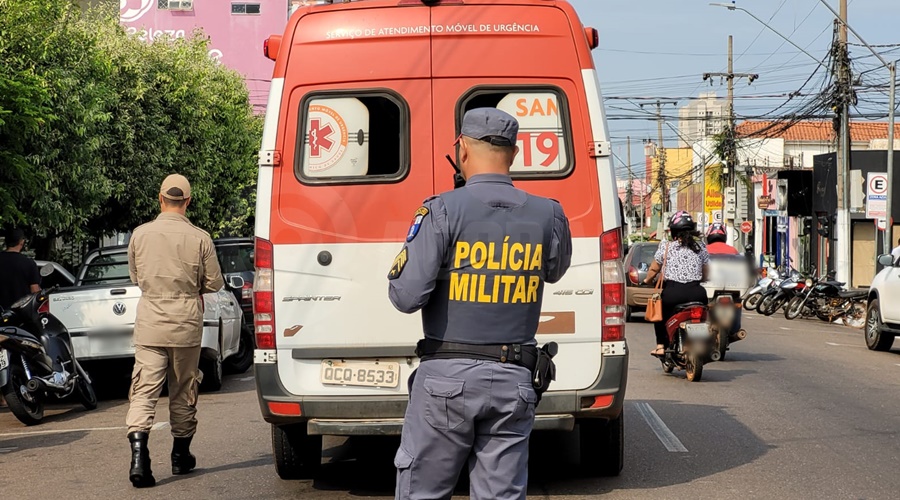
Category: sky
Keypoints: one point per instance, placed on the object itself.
(661, 48)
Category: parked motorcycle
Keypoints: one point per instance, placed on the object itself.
(828, 301)
(779, 295)
(754, 295)
(690, 340)
(37, 361)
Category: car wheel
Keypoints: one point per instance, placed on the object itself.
(628, 312)
(602, 446)
(242, 360)
(297, 454)
(876, 339)
(212, 368)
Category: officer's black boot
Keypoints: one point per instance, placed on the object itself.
(141, 476)
(182, 460)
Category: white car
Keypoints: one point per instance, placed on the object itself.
(99, 313)
(883, 306)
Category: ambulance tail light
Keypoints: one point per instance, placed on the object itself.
(264, 295)
(593, 37)
(271, 46)
(612, 282)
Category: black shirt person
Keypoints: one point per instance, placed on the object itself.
(20, 274)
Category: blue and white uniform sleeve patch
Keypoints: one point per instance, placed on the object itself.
(417, 223)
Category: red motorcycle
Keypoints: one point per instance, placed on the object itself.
(691, 340)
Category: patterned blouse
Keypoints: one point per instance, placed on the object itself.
(682, 264)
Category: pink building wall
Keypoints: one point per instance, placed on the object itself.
(236, 40)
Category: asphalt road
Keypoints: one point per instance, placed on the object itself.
(801, 409)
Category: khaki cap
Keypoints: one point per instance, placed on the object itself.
(176, 187)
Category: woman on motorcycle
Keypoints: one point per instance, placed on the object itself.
(686, 266)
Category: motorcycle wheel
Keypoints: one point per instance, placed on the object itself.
(764, 304)
(794, 308)
(85, 392)
(693, 368)
(722, 344)
(772, 305)
(28, 412)
(752, 301)
(668, 367)
(856, 316)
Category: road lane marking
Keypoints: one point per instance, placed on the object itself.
(784, 328)
(842, 345)
(156, 426)
(665, 436)
(245, 379)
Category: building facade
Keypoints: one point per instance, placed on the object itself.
(236, 31)
(701, 119)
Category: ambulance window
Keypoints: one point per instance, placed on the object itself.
(545, 139)
(353, 138)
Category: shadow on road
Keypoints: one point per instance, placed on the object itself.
(716, 441)
(10, 446)
(247, 464)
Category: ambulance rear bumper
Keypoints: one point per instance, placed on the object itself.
(383, 415)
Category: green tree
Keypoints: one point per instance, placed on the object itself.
(92, 119)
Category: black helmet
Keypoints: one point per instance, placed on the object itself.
(716, 233)
(682, 221)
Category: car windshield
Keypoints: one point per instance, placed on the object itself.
(110, 269)
(235, 258)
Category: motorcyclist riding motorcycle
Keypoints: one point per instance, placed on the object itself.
(686, 266)
(716, 238)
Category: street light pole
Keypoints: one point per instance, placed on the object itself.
(760, 21)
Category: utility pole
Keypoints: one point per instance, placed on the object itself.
(730, 177)
(842, 226)
(630, 184)
(661, 157)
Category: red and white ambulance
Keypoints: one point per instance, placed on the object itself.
(366, 102)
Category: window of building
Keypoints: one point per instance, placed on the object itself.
(545, 138)
(175, 5)
(245, 8)
(353, 137)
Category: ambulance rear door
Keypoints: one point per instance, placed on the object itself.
(522, 59)
(357, 163)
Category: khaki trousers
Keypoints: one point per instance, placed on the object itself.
(151, 367)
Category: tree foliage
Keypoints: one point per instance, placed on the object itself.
(92, 120)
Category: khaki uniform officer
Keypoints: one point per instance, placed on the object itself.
(173, 263)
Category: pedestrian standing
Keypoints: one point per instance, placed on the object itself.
(174, 263)
(20, 274)
(895, 253)
(475, 262)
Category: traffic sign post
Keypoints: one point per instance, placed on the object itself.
(876, 195)
(746, 227)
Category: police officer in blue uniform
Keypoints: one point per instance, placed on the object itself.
(475, 262)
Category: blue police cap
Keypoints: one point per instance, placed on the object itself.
(490, 125)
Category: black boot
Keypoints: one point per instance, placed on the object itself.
(141, 476)
(182, 460)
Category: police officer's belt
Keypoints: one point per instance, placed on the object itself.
(518, 354)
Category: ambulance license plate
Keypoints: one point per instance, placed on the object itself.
(4, 359)
(697, 330)
(373, 373)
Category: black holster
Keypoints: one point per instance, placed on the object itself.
(545, 369)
